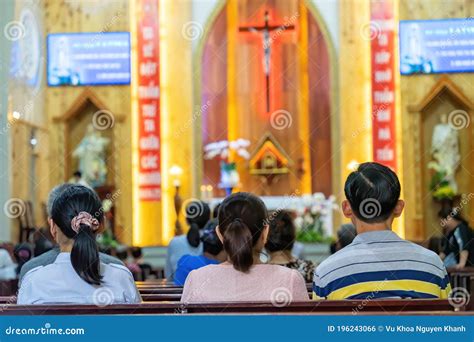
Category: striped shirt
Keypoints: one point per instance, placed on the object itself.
(380, 264)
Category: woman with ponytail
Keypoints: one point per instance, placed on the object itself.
(77, 275)
(198, 214)
(243, 230)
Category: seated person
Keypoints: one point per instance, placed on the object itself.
(77, 275)
(198, 214)
(378, 263)
(213, 253)
(458, 249)
(137, 262)
(23, 253)
(243, 232)
(49, 257)
(7, 266)
(281, 239)
(345, 236)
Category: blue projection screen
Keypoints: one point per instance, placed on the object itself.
(436, 46)
(79, 59)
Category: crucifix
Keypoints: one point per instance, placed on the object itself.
(266, 29)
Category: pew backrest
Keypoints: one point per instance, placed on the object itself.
(308, 308)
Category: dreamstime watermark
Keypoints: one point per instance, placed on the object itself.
(14, 30)
(281, 119)
(103, 119)
(370, 31)
(106, 28)
(192, 30)
(14, 208)
(46, 330)
(465, 199)
(288, 21)
(108, 202)
(459, 119)
(196, 115)
(459, 297)
(369, 297)
(102, 297)
(370, 208)
(287, 201)
(193, 208)
(281, 297)
(10, 301)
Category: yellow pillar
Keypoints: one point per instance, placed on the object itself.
(303, 97)
(154, 221)
(355, 85)
(176, 104)
(232, 113)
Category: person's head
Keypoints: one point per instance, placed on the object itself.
(282, 234)
(122, 254)
(215, 211)
(372, 197)
(450, 218)
(210, 241)
(77, 216)
(53, 194)
(242, 228)
(77, 174)
(197, 215)
(346, 233)
(136, 252)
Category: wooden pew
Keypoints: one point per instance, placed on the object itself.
(383, 307)
(463, 279)
(8, 287)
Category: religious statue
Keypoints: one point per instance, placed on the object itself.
(445, 152)
(91, 155)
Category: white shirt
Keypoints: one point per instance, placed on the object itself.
(7, 266)
(58, 283)
(178, 247)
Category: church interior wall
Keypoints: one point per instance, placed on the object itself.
(413, 89)
(85, 16)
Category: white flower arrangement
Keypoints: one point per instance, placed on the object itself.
(222, 149)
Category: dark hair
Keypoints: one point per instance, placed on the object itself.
(197, 215)
(122, 254)
(210, 241)
(242, 217)
(346, 234)
(136, 252)
(373, 191)
(451, 213)
(84, 253)
(215, 211)
(282, 233)
(77, 174)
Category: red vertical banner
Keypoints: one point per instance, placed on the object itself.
(383, 82)
(148, 98)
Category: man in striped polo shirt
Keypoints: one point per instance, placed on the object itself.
(378, 263)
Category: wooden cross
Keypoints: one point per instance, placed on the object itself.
(266, 29)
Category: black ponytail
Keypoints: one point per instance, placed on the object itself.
(85, 256)
(70, 203)
(193, 237)
(238, 245)
(198, 214)
(242, 218)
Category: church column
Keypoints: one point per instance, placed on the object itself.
(303, 99)
(355, 85)
(6, 16)
(233, 117)
(176, 106)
